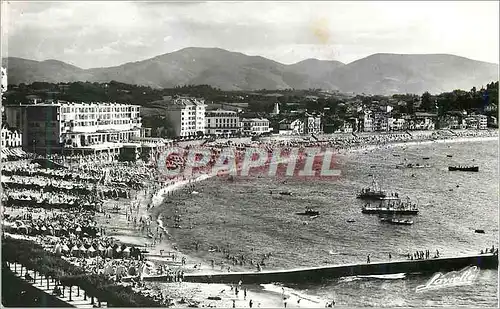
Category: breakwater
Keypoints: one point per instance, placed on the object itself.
(315, 274)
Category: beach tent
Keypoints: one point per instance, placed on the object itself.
(75, 250)
(109, 252)
(83, 249)
(58, 249)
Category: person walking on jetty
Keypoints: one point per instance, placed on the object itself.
(368, 259)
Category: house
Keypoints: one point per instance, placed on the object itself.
(255, 126)
(291, 127)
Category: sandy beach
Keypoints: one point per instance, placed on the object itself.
(164, 250)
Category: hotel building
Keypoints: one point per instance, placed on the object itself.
(222, 122)
(255, 126)
(86, 127)
(186, 114)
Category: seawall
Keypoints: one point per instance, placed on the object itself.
(312, 274)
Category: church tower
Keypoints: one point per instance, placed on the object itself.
(276, 109)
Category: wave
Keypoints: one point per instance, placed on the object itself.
(293, 295)
(386, 277)
(379, 277)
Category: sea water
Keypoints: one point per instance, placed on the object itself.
(242, 215)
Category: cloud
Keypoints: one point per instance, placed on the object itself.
(91, 34)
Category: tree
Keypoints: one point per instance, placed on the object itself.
(410, 107)
(427, 104)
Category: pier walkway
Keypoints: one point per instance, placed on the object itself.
(311, 274)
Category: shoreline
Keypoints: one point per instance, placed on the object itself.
(268, 297)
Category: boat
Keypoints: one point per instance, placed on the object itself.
(372, 193)
(463, 168)
(309, 212)
(391, 207)
(479, 231)
(397, 221)
(417, 165)
(425, 158)
(449, 156)
(390, 198)
(351, 220)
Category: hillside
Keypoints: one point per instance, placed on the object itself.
(376, 74)
(391, 74)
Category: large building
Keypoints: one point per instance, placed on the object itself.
(186, 114)
(312, 124)
(365, 121)
(479, 122)
(255, 126)
(53, 126)
(222, 122)
(380, 122)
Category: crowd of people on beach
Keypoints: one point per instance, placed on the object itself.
(69, 199)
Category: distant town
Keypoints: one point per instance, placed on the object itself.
(121, 119)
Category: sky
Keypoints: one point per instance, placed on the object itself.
(102, 34)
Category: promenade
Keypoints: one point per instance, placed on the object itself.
(314, 274)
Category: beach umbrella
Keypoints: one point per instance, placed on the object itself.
(65, 248)
(82, 248)
(101, 248)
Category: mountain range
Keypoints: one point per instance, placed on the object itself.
(376, 74)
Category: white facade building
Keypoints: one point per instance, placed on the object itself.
(366, 121)
(49, 127)
(222, 122)
(482, 121)
(380, 122)
(255, 126)
(396, 124)
(11, 138)
(186, 114)
(289, 127)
